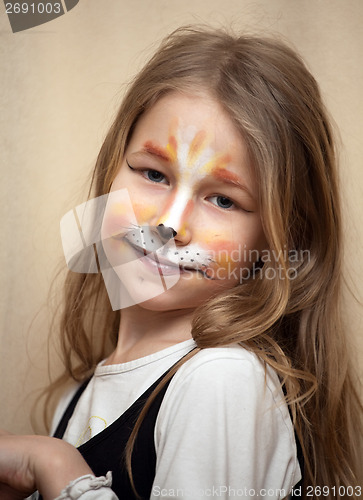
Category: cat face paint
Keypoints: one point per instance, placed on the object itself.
(189, 149)
(187, 167)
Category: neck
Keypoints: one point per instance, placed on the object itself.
(143, 332)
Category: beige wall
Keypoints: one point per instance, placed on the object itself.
(60, 84)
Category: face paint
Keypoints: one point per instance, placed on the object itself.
(193, 257)
(189, 149)
(189, 156)
(222, 174)
(149, 147)
(144, 213)
(184, 156)
(118, 220)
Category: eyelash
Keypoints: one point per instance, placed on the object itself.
(145, 171)
(233, 204)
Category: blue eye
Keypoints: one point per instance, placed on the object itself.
(154, 175)
(222, 202)
(151, 175)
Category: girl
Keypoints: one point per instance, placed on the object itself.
(226, 372)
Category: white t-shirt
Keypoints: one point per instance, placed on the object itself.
(223, 428)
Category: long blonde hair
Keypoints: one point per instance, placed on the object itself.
(294, 325)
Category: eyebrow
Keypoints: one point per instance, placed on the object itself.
(218, 173)
(158, 151)
(231, 178)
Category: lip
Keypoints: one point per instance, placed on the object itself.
(157, 264)
(164, 266)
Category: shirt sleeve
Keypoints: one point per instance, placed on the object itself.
(89, 487)
(224, 430)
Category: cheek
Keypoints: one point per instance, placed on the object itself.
(117, 219)
(224, 253)
(228, 252)
(222, 246)
(144, 212)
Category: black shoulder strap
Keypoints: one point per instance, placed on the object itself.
(106, 450)
(300, 456)
(62, 425)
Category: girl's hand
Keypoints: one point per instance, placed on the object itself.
(28, 463)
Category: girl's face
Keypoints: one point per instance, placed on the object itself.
(186, 167)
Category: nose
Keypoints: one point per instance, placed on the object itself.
(177, 216)
(166, 233)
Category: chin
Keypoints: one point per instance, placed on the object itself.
(186, 294)
(169, 301)
(135, 283)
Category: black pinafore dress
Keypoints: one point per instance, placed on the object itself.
(106, 450)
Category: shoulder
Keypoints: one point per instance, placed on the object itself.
(234, 355)
(224, 406)
(226, 367)
(231, 378)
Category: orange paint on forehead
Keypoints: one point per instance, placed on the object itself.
(196, 146)
(216, 163)
(223, 160)
(172, 148)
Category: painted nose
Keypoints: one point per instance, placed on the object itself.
(166, 233)
(179, 216)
